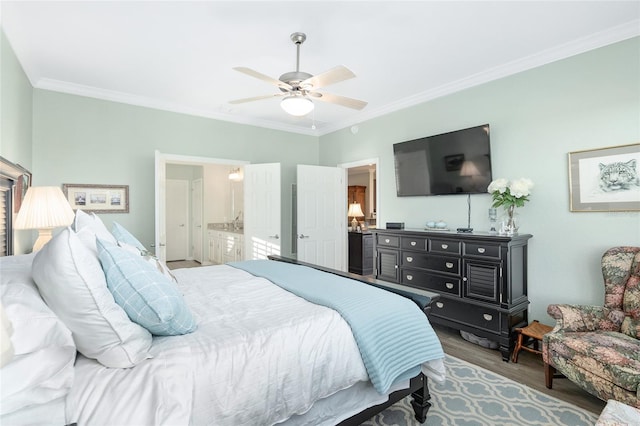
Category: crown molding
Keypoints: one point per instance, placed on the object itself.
(575, 47)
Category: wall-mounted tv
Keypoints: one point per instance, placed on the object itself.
(457, 162)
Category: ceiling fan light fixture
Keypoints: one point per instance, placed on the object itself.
(297, 105)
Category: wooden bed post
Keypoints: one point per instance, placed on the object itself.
(420, 402)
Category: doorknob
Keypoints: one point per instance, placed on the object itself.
(274, 236)
(301, 236)
(162, 245)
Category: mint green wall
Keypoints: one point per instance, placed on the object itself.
(85, 140)
(16, 122)
(537, 117)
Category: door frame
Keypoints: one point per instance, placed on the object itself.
(161, 161)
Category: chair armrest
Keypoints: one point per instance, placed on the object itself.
(582, 318)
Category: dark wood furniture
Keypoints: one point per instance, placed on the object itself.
(481, 278)
(357, 194)
(419, 385)
(361, 253)
(534, 331)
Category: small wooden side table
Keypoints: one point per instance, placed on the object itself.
(535, 330)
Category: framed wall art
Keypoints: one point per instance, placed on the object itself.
(605, 179)
(97, 198)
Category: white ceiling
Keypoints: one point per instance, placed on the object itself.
(179, 55)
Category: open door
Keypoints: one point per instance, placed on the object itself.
(161, 205)
(322, 213)
(262, 221)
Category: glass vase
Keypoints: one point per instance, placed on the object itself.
(510, 222)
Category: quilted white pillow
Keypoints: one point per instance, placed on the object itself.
(73, 284)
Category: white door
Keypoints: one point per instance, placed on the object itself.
(196, 220)
(262, 234)
(161, 206)
(322, 213)
(177, 216)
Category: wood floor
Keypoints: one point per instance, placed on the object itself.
(529, 370)
(176, 264)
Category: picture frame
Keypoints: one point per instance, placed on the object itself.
(97, 198)
(605, 179)
(453, 162)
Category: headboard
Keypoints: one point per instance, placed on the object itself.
(14, 182)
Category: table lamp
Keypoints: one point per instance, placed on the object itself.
(355, 211)
(44, 208)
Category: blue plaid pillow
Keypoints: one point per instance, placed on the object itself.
(121, 234)
(145, 294)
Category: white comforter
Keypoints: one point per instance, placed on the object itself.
(259, 356)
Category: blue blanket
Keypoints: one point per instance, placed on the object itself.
(393, 335)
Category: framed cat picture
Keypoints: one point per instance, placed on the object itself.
(605, 179)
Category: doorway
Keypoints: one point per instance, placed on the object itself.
(362, 187)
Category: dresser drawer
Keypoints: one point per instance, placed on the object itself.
(413, 243)
(482, 250)
(465, 313)
(433, 282)
(447, 264)
(444, 246)
(387, 240)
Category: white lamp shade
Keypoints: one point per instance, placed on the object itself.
(44, 207)
(355, 210)
(297, 105)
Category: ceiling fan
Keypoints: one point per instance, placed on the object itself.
(298, 88)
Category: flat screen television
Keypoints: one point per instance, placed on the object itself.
(457, 162)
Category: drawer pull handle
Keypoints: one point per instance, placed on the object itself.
(413, 243)
(449, 265)
(480, 250)
(409, 259)
(386, 240)
(409, 277)
(449, 285)
(440, 305)
(487, 317)
(444, 246)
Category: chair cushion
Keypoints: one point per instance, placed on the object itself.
(612, 356)
(631, 301)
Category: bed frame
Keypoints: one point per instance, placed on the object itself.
(419, 385)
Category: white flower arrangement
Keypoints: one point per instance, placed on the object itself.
(510, 194)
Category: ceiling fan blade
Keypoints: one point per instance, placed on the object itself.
(263, 77)
(334, 75)
(257, 98)
(339, 100)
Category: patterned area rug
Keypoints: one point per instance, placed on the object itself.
(474, 396)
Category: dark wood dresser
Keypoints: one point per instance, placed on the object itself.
(481, 278)
(361, 253)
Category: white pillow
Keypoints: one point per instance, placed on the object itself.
(73, 284)
(93, 227)
(42, 369)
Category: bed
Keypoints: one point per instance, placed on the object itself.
(240, 349)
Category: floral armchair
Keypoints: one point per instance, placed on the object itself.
(598, 347)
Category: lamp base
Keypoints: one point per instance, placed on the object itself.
(354, 224)
(44, 235)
